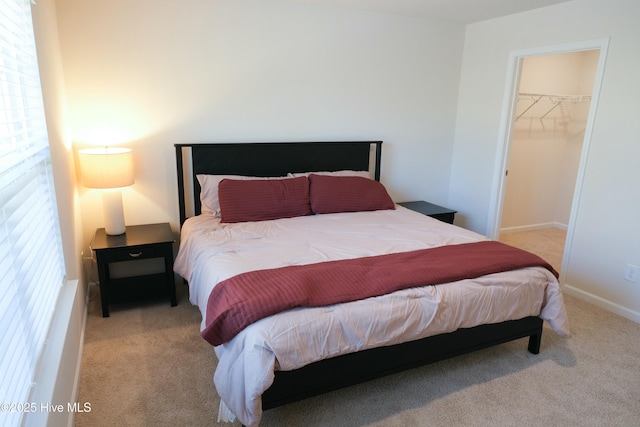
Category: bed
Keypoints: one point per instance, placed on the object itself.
(304, 351)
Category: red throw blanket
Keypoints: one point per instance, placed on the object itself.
(243, 299)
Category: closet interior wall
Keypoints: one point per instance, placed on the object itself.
(546, 142)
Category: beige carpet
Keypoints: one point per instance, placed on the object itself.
(547, 243)
(146, 365)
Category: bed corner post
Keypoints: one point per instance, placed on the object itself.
(180, 170)
(378, 159)
(535, 339)
(534, 343)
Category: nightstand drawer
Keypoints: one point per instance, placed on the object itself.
(133, 253)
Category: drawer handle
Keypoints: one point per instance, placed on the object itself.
(136, 255)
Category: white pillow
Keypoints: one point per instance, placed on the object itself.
(209, 190)
(363, 174)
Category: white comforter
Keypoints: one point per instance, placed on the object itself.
(211, 252)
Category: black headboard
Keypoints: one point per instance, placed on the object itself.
(268, 159)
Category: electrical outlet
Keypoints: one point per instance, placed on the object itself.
(631, 273)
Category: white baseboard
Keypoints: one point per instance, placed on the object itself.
(602, 303)
(561, 226)
(540, 226)
(57, 380)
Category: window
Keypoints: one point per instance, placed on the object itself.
(31, 264)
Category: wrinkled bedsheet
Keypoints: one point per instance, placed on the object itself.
(211, 252)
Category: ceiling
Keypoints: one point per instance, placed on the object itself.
(459, 11)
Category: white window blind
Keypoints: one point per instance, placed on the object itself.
(31, 264)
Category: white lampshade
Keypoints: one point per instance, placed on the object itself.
(109, 169)
(106, 167)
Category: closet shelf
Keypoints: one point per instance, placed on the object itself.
(556, 100)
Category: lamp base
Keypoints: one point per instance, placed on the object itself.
(113, 212)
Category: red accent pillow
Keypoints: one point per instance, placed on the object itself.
(261, 200)
(330, 194)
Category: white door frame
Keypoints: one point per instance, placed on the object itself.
(506, 128)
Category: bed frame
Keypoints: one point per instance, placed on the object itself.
(278, 159)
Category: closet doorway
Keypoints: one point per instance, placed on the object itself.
(550, 115)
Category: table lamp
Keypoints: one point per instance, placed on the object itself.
(109, 169)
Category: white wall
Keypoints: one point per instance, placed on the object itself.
(52, 81)
(607, 230)
(546, 139)
(149, 74)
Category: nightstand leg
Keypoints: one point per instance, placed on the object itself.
(103, 278)
(170, 278)
(104, 299)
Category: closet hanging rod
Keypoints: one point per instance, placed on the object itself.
(555, 98)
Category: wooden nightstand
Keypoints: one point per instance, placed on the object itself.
(141, 250)
(429, 209)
